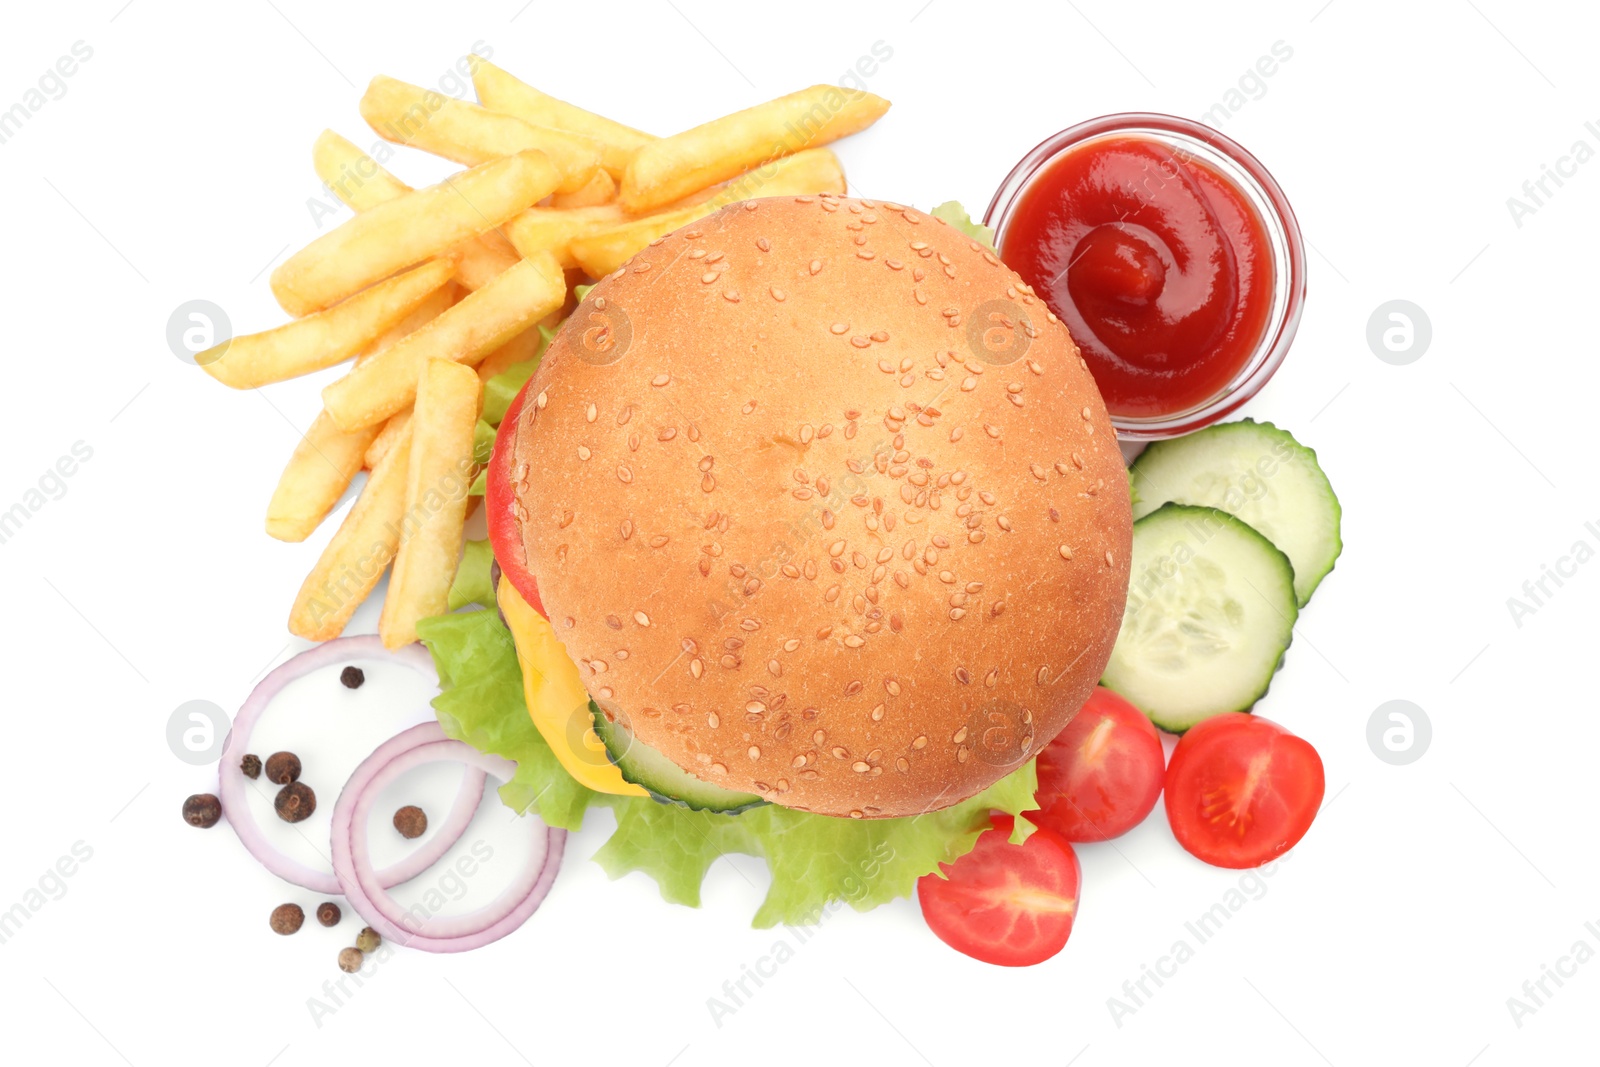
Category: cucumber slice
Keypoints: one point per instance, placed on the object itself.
(666, 782)
(1259, 473)
(1211, 610)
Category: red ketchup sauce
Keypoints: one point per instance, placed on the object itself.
(1160, 266)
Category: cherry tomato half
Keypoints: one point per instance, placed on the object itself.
(1101, 775)
(1010, 905)
(1242, 790)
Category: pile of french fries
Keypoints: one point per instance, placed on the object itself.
(434, 291)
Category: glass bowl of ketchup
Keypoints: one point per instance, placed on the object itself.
(1172, 256)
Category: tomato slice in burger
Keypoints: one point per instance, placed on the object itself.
(1005, 904)
(501, 505)
(1101, 775)
(1242, 790)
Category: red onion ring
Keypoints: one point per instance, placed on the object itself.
(232, 784)
(360, 884)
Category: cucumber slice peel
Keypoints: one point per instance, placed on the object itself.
(665, 781)
(1261, 474)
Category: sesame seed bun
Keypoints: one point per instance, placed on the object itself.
(820, 495)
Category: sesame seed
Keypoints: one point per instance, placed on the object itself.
(754, 753)
(778, 294)
(624, 474)
(1066, 552)
(816, 266)
(661, 379)
(731, 295)
(708, 277)
(590, 413)
(854, 641)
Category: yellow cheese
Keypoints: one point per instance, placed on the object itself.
(557, 701)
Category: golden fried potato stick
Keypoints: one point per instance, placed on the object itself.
(326, 458)
(326, 337)
(413, 227)
(469, 331)
(674, 167)
(499, 91)
(438, 476)
(601, 189)
(455, 129)
(816, 170)
(361, 549)
(552, 230)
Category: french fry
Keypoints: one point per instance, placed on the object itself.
(318, 473)
(361, 183)
(411, 115)
(439, 473)
(549, 229)
(673, 167)
(600, 189)
(355, 559)
(469, 331)
(409, 229)
(385, 438)
(816, 170)
(521, 348)
(500, 91)
(326, 337)
(320, 469)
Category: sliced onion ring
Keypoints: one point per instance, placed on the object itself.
(362, 886)
(233, 784)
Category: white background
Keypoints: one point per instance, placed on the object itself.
(177, 165)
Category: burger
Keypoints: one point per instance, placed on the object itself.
(810, 530)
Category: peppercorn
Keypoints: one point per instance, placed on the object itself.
(251, 766)
(349, 960)
(283, 768)
(368, 940)
(295, 802)
(328, 913)
(202, 810)
(352, 677)
(286, 919)
(411, 821)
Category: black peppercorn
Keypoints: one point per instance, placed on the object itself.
(328, 913)
(286, 919)
(251, 766)
(349, 960)
(352, 677)
(411, 821)
(283, 768)
(202, 810)
(368, 940)
(295, 802)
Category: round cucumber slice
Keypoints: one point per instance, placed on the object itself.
(665, 781)
(1261, 474)
(1211, 610)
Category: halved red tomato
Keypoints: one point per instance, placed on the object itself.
(1005, 904)
(1101, 775)
(500, 507)
(1242, 790)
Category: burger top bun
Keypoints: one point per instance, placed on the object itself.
(824, 502)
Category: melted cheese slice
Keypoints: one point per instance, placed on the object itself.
(557, 700)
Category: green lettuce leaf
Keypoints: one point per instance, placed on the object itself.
(472, 584)
(952, 212)
(815, 860)
(481, 704)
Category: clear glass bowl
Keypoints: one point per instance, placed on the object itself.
(1192, 140)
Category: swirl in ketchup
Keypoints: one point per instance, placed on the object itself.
(1159, 264)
